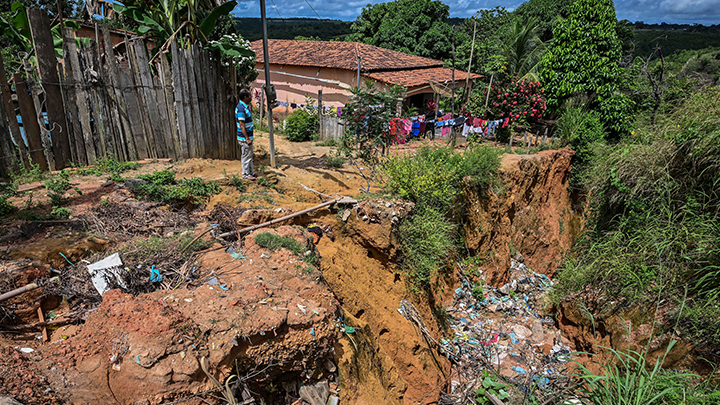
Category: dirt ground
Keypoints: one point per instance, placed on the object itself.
(275, 318)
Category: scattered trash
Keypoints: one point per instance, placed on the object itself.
(224, 287)
(349, 329)
(302, 308)
(155, 276)
(237, 256)
(27, 350)
(316, 394)
(312, 332)
(106, 269)
(265, 256)
(212, 281)
(519, 370)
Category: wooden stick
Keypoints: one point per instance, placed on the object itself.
(59, 322)
(275, 221)
(21, 290)
(44, 328)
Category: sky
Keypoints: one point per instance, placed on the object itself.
(650, 11)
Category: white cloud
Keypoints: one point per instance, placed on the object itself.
(650, 11)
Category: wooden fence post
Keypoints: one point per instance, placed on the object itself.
(30, 123)
(47, 65)
(9, 111)
(77, 101)
(320, 116)
(177, 62)
(36, 91)
(167, 87)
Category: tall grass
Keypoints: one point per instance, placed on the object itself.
(626, 379)
(655, 217)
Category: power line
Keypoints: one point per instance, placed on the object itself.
(276, 9)
(311, 8)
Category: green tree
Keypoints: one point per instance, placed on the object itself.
(546, 12)
(584, 60)
(523, 50)
(489, 26)
(417, 27)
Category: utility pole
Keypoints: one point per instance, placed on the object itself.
(472, 48)
(452, 98)
(358, 76)
(269, 88)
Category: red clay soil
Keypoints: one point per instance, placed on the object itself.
(250, 315)
(20, 380)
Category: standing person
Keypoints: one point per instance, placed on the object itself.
(243, 118)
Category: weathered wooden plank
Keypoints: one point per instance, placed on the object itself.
(47, 65)
(177, 61)
(8, 152)
(222, 141)
(151, 102)
(187, 107)
(8, 159)
(167, 84)
(30, 123)
(133, 111)
(9, 110)
(141, 102)
(117, 107)
(164, 118)
(77, 155)
(200, 103)
(196, 133)
(76, 93)
(98, 95)
(212, 147)
(36, 91)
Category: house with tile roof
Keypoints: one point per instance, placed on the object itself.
(301, 68)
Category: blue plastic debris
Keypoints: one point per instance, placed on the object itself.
(513, 339)
(137, 359)
(237, 256)
(519, 370)
(66, 259)
(458, 290)
(155, 276)
(542, 382)
(224, 287)
(312, 332)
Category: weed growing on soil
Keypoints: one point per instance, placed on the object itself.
(57, 187)
(7, 190)
(627, 379)
(329, 142)
(264, 182)
(27, 176)
(254, 197)
(236, 181)
(110, 165)
(274, 242)
(161, 186)
(335, 160)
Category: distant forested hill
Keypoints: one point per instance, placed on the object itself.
(674, 37)
(289, 28)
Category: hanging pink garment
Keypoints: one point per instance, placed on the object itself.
(407, 126)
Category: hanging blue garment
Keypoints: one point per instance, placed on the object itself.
(416, 129)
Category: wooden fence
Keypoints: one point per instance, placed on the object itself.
(333, 128)
(98, 102)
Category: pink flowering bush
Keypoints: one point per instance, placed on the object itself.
(510, 97)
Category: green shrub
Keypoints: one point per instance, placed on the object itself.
(237, 182)
(301, 126)
(433, 177)
(161, 186)
(580, 129)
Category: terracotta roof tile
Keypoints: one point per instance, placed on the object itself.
(340, 55)
(417, 77)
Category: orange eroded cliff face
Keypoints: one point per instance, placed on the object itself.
(530, 211)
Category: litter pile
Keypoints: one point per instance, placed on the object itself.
(502, 332)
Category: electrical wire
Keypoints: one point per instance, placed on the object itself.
(276, 9)
(311, 8)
